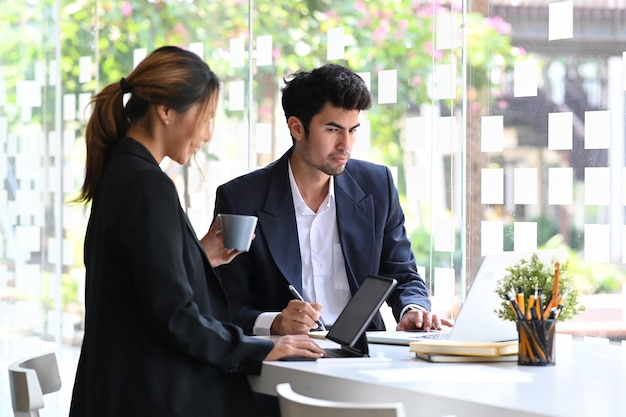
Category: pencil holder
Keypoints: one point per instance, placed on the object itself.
(536, 342)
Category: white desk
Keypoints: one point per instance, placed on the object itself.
(588, 380)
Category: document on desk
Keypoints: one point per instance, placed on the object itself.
(354, 361)
(474, 373)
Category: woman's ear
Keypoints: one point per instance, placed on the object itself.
(296, 128)
(164, 114)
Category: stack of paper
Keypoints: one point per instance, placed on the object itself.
(464, 351)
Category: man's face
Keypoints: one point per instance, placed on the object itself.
(332, 133)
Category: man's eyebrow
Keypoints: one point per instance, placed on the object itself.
(338, 126)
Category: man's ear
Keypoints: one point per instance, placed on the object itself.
(296, 128)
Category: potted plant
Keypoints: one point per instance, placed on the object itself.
(530, 275)
(529, 298)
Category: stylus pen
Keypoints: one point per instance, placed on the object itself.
(296, 294)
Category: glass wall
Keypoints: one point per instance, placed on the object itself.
(502, 121)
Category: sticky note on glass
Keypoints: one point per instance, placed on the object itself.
(445, 82)
(446, 134)
(624, 77)
(237, 52)
(491, 133)
(394, 174)
(69, 107)
(525, 78)
(415, 184)
(492, 186)
(623, 189)
(335, 44)
(443, 231)
(84, 109)
(263, 138)
(84, 69)
(561, 20)
(40, 72)
(560, 186)
(367, 79)
(597, 129)
(236, 95)
(138, 55)
(27, 166)
(560, 131)
(362, 145)
(3, 91)
(387, 87)
(444, 283)
(4, 132)
(525, 236)
(525, 186)
(597, 186)
(197, 48)
(416, 134)
(52, 74)
(27, 238)
(447, 28)
(596, 242)
(28, 94)
(491, 237)
(264, 50)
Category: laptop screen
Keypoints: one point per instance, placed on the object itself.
(358, 313)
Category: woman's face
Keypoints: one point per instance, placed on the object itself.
(188, 132)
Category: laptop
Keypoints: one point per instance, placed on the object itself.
(349, 328)
(477, 320)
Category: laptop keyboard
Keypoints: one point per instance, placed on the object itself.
(437, 336)
(338, 353)
(328, 353)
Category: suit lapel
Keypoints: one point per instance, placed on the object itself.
(278, 220)
(355, 222)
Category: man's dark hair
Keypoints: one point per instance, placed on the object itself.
(305, 93)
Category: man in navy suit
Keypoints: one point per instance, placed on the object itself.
(325, 221)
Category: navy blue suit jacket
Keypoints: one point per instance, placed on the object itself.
(371, 229)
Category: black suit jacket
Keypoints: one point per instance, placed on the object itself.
(371, 229)
(157, 338)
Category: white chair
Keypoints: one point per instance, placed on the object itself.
(293, 404)
(29, 380)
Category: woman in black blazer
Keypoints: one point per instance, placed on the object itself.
(158, 338)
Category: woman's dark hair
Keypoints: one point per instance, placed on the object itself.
(306, 93)
(169, 76)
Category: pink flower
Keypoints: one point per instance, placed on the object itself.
(518, 51)
(502, 27)
(430, 50)
(127, 9)
(264, 111)
(180, 29)
(379, 34)
(365, 22)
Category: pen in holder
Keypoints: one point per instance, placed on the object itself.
(536, 342)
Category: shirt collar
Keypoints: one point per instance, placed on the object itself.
(298, 201)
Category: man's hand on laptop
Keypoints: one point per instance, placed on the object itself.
(415, 319)
(297, 318)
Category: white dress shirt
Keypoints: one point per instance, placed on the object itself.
(324, 278)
